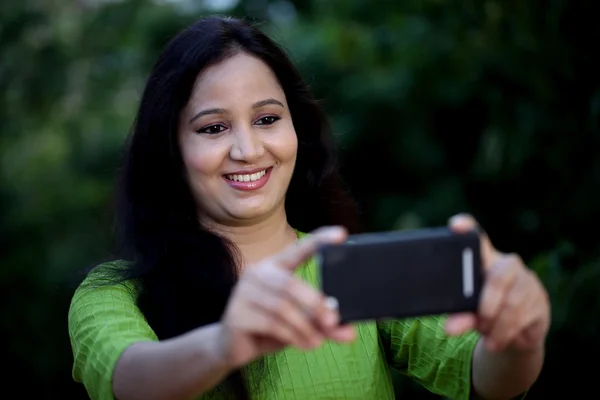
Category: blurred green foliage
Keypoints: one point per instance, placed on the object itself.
(491, 107)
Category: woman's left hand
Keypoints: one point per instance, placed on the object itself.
(514, 311)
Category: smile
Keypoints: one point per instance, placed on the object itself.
(248, 181)
(247, 177)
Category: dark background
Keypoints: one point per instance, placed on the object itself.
(490, 107)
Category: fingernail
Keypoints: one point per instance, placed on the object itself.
(332, 303)
(333, 232)
(328, 229)
(456, 218)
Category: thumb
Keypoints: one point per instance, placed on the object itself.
(299, 252)
(463, 223)
(458, 324)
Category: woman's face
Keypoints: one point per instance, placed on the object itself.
(238, 141)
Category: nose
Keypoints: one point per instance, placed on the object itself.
(247, 146)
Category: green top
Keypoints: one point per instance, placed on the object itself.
(104, 321)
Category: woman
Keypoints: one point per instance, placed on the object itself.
(227, 166)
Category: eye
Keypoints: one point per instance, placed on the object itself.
(212, 129)
(268, 120)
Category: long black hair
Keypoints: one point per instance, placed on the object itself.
(186, 272)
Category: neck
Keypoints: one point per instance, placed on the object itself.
(258, 240)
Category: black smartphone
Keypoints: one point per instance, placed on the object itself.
(403, 274)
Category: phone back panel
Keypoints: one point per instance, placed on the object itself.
(402, 274)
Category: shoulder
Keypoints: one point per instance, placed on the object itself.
(108, 275)
(103, 302)
(103, 320)
(103, 288)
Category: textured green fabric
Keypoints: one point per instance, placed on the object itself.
(104, 321)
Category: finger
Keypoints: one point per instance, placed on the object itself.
(343, 333)
(499, 281)
(463, 223)
(287, 312)
(268, 344)
(268, 275)
(340, 333)
(513, 317)
(296, 254)
(305, 297)
(282, 332)
(256, 320)
(529, 304)
(314, 304)
(458, 324)
(532, 338)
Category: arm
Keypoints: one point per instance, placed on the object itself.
(179, 368)
(421, 349)
(504, 375)
(117, 355)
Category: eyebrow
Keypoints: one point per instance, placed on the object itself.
(256, 105)
(265, 102)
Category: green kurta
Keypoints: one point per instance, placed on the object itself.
(104, 321)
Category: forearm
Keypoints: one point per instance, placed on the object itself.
(504, 375)
(176, 369)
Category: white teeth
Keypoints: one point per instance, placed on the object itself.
(246, 177)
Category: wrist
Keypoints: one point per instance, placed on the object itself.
(222, 352)
(507, 373)
(214, 350)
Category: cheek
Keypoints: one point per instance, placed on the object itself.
(286, 147)
(200, 158)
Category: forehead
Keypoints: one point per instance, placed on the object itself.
(242, 78)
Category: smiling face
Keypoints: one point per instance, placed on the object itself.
(238, 142)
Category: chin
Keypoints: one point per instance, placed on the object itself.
(247, 215)
(251, 212)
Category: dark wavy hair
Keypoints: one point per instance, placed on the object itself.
(185, 272)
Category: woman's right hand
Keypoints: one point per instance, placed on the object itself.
(270, 309)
